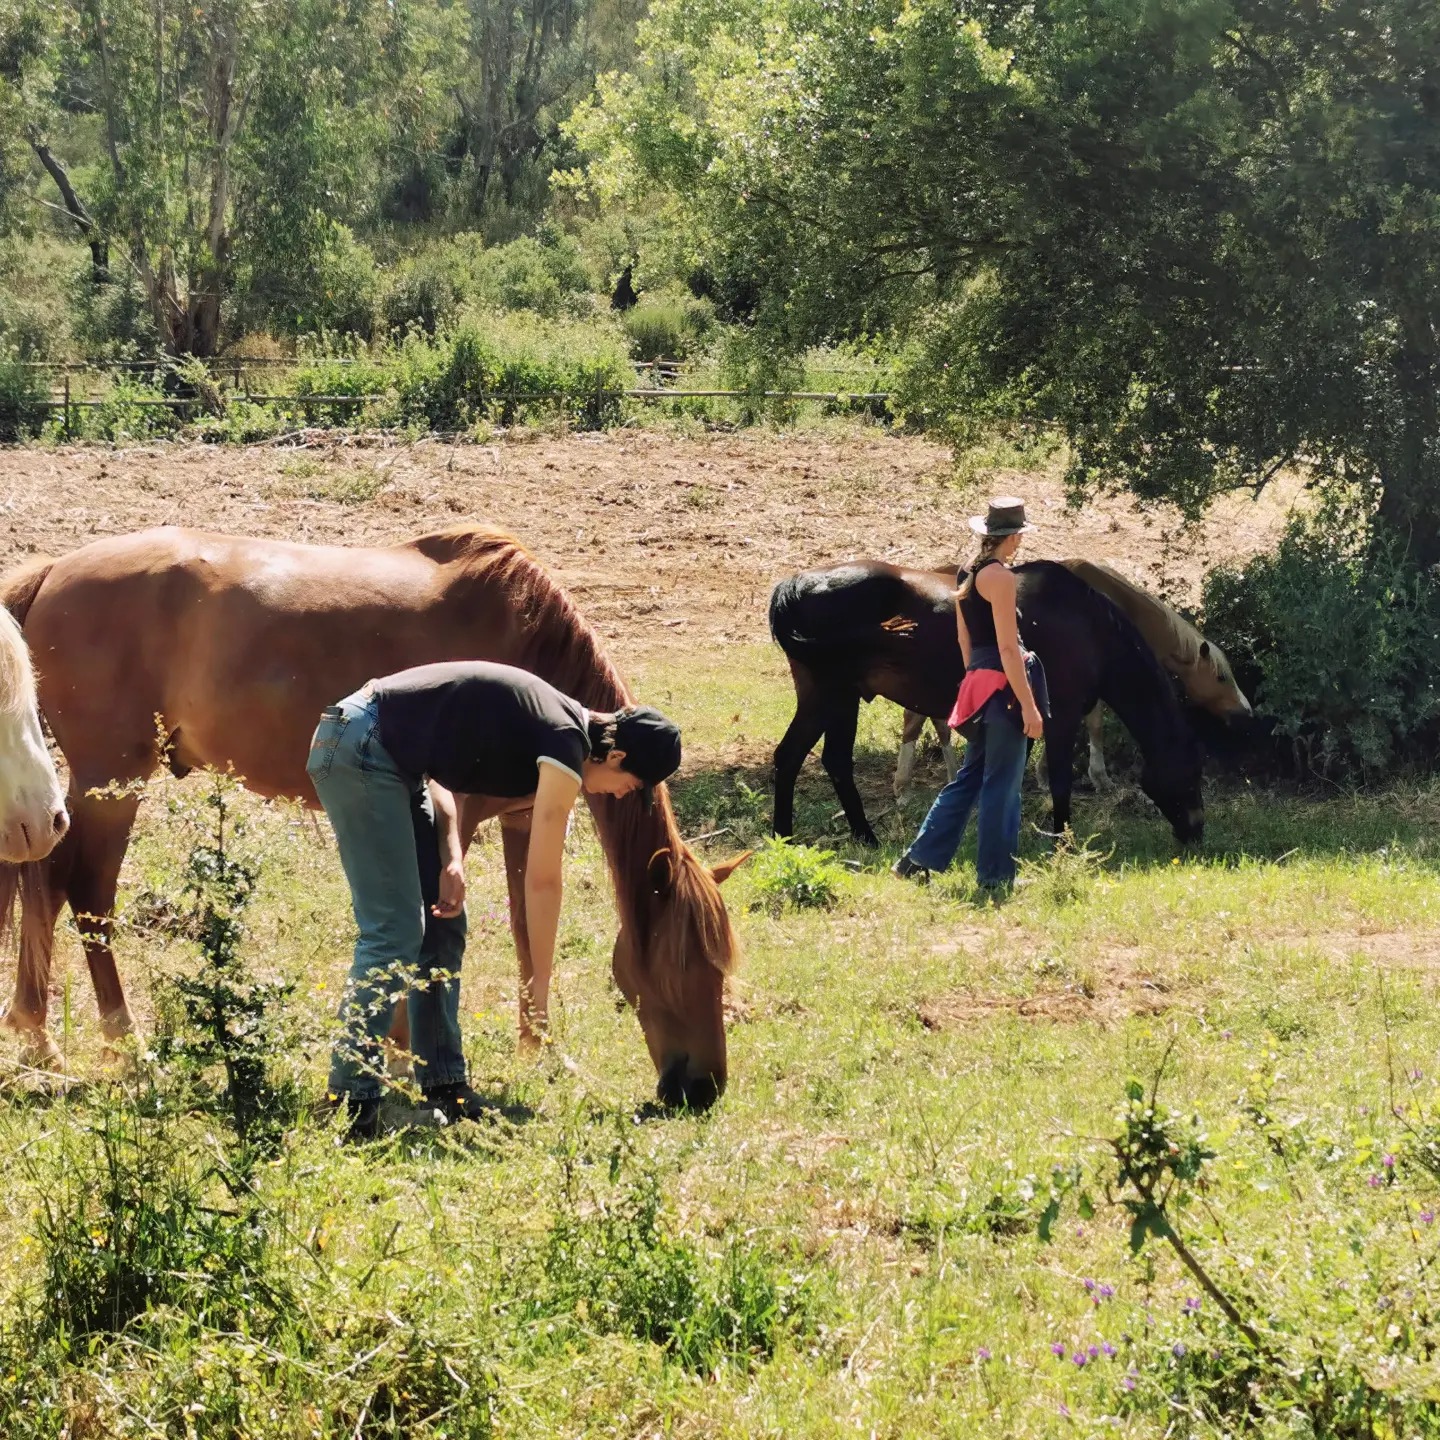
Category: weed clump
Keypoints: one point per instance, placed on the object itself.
(789, 876)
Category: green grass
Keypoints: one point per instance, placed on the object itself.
(835, 1247)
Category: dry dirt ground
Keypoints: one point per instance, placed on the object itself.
(669, 544)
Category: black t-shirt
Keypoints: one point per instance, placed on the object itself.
(479, 728)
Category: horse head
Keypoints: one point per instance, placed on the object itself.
(32, 800)
(671, 957)
(1171, 776)
(1210, 683)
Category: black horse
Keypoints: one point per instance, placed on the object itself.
(865, 629)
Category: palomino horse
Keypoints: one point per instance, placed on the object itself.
(865, 629)
(32, 801)
(237, 645)
(1201, 668)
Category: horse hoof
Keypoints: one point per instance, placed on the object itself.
(868, 839)
(40, 1052)
(117, 1025)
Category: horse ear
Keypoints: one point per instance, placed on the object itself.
(726, 868)
(1204, 649)
(661, 872)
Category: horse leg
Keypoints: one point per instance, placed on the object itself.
(910, 729)
(515, 839)
(1099, 775)
(42, 895)
(101, 826)
(805, 730)
(1060, 732)
(947, 745)
(842, 719)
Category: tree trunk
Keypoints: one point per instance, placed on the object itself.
(75, 208)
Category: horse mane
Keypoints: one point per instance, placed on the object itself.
(17, 676)
(556, 642)
(1174, 634)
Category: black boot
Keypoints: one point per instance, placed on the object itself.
(907, 869)
(364, 1113)
(456, 1101)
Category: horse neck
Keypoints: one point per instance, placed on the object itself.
(1140, 695)
(630, 836)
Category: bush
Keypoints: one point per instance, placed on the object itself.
(23, 392)
(424, 294)
(796, 877)
(543, 275)
(661, 329)
(1344, 636)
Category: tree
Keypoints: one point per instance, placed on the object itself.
(1201, 237)
(230, 132)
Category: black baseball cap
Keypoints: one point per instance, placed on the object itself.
(651, 742)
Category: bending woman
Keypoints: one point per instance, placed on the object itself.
(387, 763)
(996, 708)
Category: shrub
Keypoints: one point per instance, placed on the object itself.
(538, 274)
(796, 877)
(614, 1264)
(658, 330)
(424, 294)
(1344, 636)
(23, 392)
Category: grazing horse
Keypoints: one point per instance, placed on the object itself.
(237, 644)
(32, 802)
(866, 629)
(1201, 668)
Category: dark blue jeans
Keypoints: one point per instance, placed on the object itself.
(385, 828)
(994, 764)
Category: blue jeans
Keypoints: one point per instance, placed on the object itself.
(385, 827)
(991, 774)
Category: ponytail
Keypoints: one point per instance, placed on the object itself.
(989, 544)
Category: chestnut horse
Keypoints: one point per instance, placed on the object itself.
(237, 644)
(32, 802)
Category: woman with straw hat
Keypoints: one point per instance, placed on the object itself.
(998, 709)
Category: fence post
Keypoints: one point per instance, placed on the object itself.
(67, 405)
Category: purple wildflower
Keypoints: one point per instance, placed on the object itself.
(1080, 1359)
(1427, 1217)
(1058, 1349)
(1388, 1162)
(1107, 1347)
(1374, 1181)
(1130, 1382)
(1079, 1232)
(1064, 1410)
(1106, 1292)
(1225, 1034)
(983, 1353)
(1417, 1074)
(1193, 1303)
(1089, 1284)
(1178, 1350)
(1093, 1352)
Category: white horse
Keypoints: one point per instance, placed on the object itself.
(32, 800)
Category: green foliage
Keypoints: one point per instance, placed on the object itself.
(424, 294)
(1344, 636)
(134, 1218)
(1200, 240)
(22, 392)
(667, 328)
(617, 1267)
(230, 1019)
(787, 875)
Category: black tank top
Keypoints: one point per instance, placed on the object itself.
(979, 617)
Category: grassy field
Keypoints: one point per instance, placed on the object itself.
(851, 1243)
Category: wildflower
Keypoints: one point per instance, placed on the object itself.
(983, 1353)
(1427, 1217)
(1089, 1284)
(1374, 1181)
(1106, 1292)
(1064, 1410)
(1107, 1347)
(1192, 1304)
(1058, 1349)
(1093, 1352)
(1178, 1350)
(1080, 1359)
(1388, 1162)
(1417, 1074)
(1130, 1379)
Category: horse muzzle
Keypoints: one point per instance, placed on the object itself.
(32, 834)
(680, 1088)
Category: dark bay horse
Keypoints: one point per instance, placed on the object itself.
(237, 645)
(864, 629)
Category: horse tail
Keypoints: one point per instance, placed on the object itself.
(793, 625)
(20, 586)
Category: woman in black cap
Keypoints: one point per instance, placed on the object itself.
(997, 709)
(387, 763)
